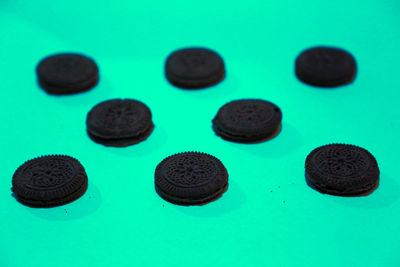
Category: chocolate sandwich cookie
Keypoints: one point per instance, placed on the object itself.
(248, 120)
(49, 181)
(342, 170)
(193, 68)
(62, 74)
(119, 122)
(326, 67)
(191, 178)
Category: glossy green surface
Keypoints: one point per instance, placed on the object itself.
(268, 216)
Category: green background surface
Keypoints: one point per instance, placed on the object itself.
(268, 216)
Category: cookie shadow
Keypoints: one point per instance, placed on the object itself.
(80, 208)
(103, 90)
(156, 140)
(382, 195)
(282, 143)
(230, 201)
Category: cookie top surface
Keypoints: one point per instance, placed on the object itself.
(191, 175)
(119, 118)
(326, 66)
(342, 169)
(66, 70)
(248, 117)
(194, 68)
(48, 178)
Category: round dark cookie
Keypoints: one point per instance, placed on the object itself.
(119, 122)
(326, 67)
(343, 170)
(194, 68)
(49, 181)
(247, 120)
(67, 74)
(191, 178)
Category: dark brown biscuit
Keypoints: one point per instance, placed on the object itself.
(194, 68)
(119, 122)
(326, 67)
(343, 170)
(191, 178)
(49, 181)
(62, 74)
(247, 120)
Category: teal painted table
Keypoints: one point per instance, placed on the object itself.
(268, 216)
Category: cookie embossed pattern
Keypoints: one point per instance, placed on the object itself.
(63, 74)
(49, 181)
(119, 122)
(343, 170)
(326, 67)
(191, 178)
(194, 68)
(248, 120)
